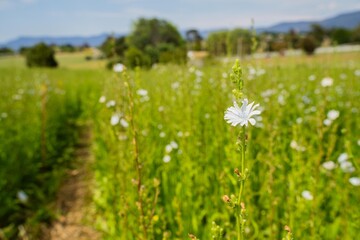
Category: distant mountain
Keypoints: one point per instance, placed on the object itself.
(346, 20)
(75, 41)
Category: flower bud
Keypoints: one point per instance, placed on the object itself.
(226, 198)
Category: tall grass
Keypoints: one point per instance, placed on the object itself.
(184, 151)
(288, 185)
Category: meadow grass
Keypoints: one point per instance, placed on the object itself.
(186, 152)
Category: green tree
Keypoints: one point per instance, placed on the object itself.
(293, 39)
(318, 33)
(6, 51)
(193, 39)
(308, 44)
(67, 48)
(340, 35)
(216, 43)
(355, 35)
(41, 55)
(135, 57)
(155, 38)
(238, 42)
(114, 47)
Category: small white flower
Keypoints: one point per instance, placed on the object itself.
(162, 134)
(110, 103)
(22, 196)
(102, 99)
(241, 116)
(174, 145)
(296, 146)
(327, 82)
(124, 123)
(16, 97)
(281, 99)
(355, 181)
(161, 109)
(180, 134)
(327, 122)
(329, 165)
(358, 142)
(347, 167)
(357, 72)
(312, 77)
(119, 67)
(168, 148)
(199, 73)
(115, 119)
(175, 85)
(5, 115)
(343, 157)
(142, 92)
(333, 114)
(166, 158)
(307, 195)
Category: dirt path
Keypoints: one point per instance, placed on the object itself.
(74, 196)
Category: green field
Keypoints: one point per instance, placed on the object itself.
(163, 155)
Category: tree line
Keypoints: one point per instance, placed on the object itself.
(153, 41)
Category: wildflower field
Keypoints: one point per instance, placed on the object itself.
(165, 163)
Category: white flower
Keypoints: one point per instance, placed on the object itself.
(312, 77)
(119, 67)
(110, 103)
(142, 92)
(296, 146)
(174, 144)
(327, 82)
(347, 167)
(124, 123)
(168, 148)
(357, 72)
(241, 116)
(355, 181)
(115, 119)
(175, 85)
(358, 142)
(5, 115)
(329, 165)
(162, 135)
(22, 196)
(180, 134)
(166, 158)
(307, 195)
(327, 122)
(343, 157)
(333, 114)
(102, 99)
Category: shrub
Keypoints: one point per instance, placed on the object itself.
(308, 44)
(134, 57)
(41, 55)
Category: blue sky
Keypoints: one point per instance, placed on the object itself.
(91, 17)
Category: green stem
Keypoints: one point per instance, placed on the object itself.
(242, 183)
